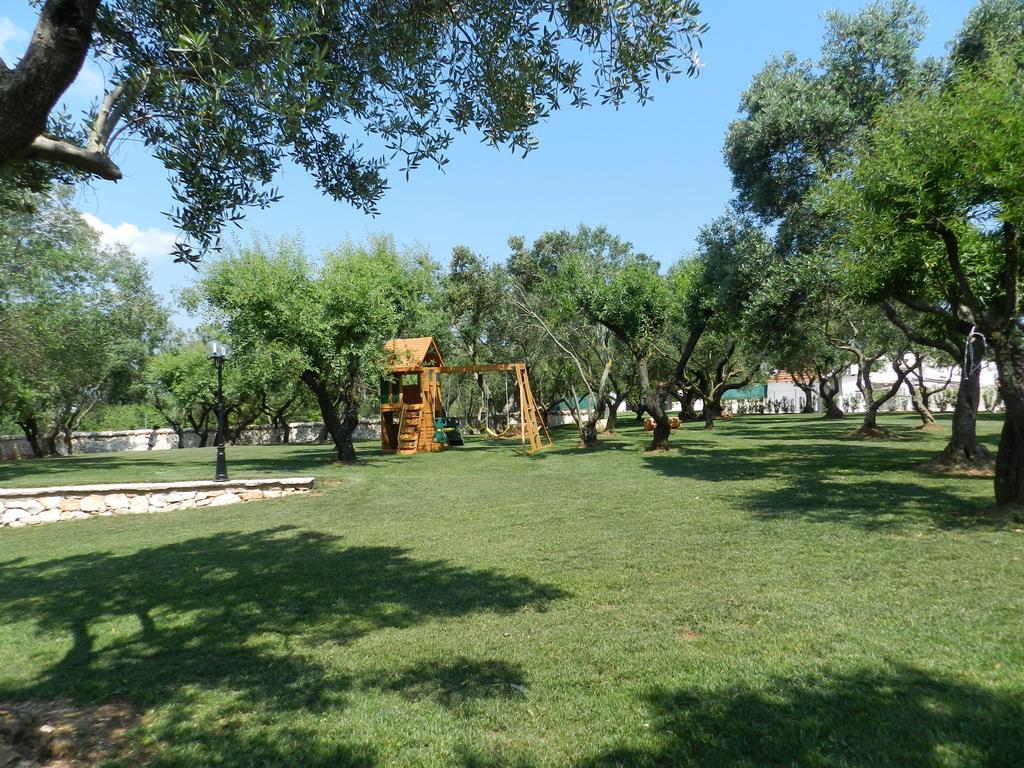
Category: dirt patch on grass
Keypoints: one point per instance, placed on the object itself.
(874, 433)
(56, 734)
(958, 464)
(942, 466)
(1010, 517)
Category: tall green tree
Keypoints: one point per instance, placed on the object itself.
(332, 316)
(932, 211)
(572, 287)
(799, 128)
(731, 257)
(786, 317)
(799, 117)
(226, 91)
(78, 320)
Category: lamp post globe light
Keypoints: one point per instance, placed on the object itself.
(218, 353)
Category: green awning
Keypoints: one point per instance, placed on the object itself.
(585, 404)
(753, 392)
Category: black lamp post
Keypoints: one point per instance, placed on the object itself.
(218, 353)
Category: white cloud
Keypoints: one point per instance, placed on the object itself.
(11, 34)
(151, 244)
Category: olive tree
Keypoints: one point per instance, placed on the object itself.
(933, 212)
(77, 321)
(332, 315)
(226, 91)
(554, 287)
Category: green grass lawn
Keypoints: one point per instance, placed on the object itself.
(766, 594)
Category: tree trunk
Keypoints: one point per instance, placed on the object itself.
(712, 411)
(30, 427)
(917, 402)
(350, 418)
(828, 387)
(662, 430)
(613, 414)
(51, 441)
(870, 423)
(1009, 481)
(176, 426)
(653, 404)
(201, 427)
(686, 409)
(29, 91)
(234, 434)
(588, 433)
(336, 428)
(872, 403)
(1009, 357)
(963, 447)
(808, 390)
(588, 428)
(68, 444)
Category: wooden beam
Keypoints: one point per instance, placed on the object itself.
(477, 368)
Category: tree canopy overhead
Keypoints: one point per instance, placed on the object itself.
(225, 91)
(799, 117)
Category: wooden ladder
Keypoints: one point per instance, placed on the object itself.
(529, 415)
(409, 428)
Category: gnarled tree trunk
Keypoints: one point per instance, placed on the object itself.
(613, 414)
(340, 430)
(30, 426)
(712, 411)
(1009, 479)
(920, 407)
(654, 405)
(687, 412)
(808, 390)
(872, 403)
(828, 388)
(963, 448)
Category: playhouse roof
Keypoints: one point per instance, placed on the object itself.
(414, 353)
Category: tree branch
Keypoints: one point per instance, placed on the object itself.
(106, 120)
(96, 163)
(949, 239)
(943, 345)
(53, 59)
(1011, 273)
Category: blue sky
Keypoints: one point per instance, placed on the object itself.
(653, 174)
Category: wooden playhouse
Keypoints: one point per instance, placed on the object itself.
(412, 417)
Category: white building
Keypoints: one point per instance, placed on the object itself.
(782, 389)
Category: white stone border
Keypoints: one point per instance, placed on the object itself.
(21, 507)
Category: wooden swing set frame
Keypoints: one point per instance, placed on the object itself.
(409, 408)
(529, 414)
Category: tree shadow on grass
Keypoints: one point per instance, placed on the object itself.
(906, 717)
(240, 615)
(129, 466)
(191, 744)
(821, 481)
(454, 683)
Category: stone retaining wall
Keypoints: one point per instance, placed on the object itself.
(21, 507)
